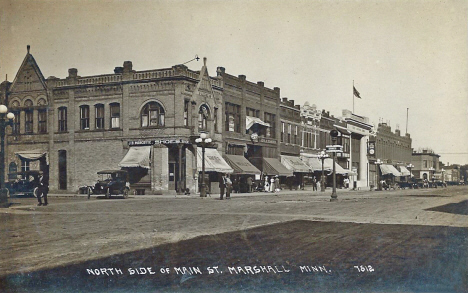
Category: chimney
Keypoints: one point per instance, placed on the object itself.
(285, 100)
(242, 77)
(72, 73)
(118, 70)
(127, 66)
(260, 83)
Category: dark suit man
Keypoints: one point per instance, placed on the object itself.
(43, 190)
(222, 187)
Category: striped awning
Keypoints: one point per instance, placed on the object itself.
(295, 164)
(389, 169)
(272, 166)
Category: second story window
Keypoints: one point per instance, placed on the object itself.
(28, 121)
(152, 115)
(282, 131)
(115, 115)
(203, 115)
(186, 107)
(99, 120)
(289, 133)
(215, 119)
(296, 141)
(270, 131)
(16, 123)
(62, 119)
(232, 123)
(42, 121)
(84, 117)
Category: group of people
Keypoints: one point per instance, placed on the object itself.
(272, 184)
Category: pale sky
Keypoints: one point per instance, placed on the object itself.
(400, 54)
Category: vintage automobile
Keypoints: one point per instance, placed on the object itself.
(111, 182)
(23, 183)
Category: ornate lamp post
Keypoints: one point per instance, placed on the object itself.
(378, 163)
(322, 156)
(334, 135)
(410, 166)
(443, 176)
(3, 124)
(203, 140)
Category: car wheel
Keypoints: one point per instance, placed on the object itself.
(108, 195)
(89, 192)
(125, 193)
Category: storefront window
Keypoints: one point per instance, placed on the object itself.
(152, 115)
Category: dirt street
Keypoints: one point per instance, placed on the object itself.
(426, 228)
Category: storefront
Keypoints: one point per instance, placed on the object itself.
(215, 167)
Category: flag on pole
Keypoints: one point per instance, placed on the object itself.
(356, 93)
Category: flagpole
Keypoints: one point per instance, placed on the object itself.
(407, 109)
(353, 96)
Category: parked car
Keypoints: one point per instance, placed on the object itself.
(111, 182)
(23, 183)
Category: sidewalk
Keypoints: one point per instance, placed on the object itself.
(284, 192)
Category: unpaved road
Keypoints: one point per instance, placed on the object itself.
(73, 230)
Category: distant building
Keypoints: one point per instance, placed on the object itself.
(426, 164)
(360, 131)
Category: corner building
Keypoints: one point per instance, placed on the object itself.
(143, 121)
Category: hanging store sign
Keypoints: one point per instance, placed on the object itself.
(158, 141)
(334, 148)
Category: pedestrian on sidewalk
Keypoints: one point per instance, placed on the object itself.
(314, 184)
(266, 185)
(249, 184)
(222, 186)
(43, 190)
(277, 184)
(228, 187)
(272, 184)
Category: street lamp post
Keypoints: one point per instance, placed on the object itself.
(334, 135)
(5, 120)
(203, 140)
(410, 166)
(443, 177)
(378, 163)
(432, 170)
(322, 156)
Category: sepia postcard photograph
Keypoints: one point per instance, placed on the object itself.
(233, 146)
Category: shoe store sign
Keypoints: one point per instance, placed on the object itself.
(158, 141)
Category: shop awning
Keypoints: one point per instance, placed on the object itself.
(137, 156)
(404, 171)
(328, 165)
(214, 162)
(389, 169)
(272, 166)
(32, 155)
(249, 121)
(295, 164)
(241, 165)
(314, 163)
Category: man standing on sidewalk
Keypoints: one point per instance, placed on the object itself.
(43, 189)
(222, 186)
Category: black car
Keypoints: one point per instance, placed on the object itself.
(111, 182)
(24, 183)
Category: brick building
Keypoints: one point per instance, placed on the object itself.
(426, 164)
(142, 121)
(251, 129)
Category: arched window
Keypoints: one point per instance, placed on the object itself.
(152, 115)
(203, 115)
